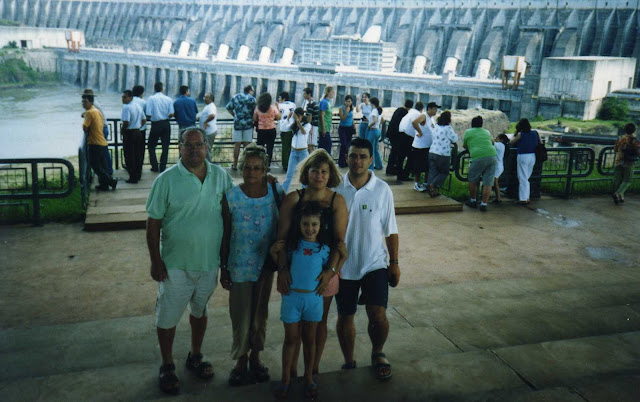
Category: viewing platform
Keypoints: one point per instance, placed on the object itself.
(124, 208)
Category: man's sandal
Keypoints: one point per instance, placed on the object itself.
(168, 380)
(382, 370)
(311, 391)
(202, 369)
(239, 377)
(260, 373)
(281, 391)
(349, 366)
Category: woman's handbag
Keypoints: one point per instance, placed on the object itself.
(270, 265)
(541, 151)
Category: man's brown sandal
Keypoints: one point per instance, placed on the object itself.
(202, 369)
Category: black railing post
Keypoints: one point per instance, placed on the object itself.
(115, 142)
(568, 188)
(35, 188)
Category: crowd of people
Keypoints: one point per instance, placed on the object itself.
(336, 237)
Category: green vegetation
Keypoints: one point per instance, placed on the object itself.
(613, 109)
(10, 23)
(67, 209)
(14, 71)
(595, 126)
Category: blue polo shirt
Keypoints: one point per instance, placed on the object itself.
(185, 111)
(191, 214)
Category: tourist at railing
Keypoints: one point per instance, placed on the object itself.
(346, 129)
(185, 108)
(319, 174)
(483, 163)
(133, 120)
(241, 107)
(393, 134)
(375, 120)
(299, 144)
(627, 150)
(264, 119)
(501, 144)
(526, 140)
(105, 131)
(423, 126)
(96, 143)
(250, 214)
(324, 137)
(372, 262)
(286, 108)
(311, 108)
(138, 91)
(209, 122)
(365, 108)
(185, 204)
(405, 142)
(159, 109)
(440, 153)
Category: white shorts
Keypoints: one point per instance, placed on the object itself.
(313, 136)
(182, 289)
(242, 135)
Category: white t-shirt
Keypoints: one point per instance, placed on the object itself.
(208, 110)
(286, 108)
(406, 124)
(443, 137)
(499, 152)
(375, 115)
(427, 134)
(300, 140)
(372, 218)
(133, 113)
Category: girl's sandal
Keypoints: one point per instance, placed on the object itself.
(281, 391)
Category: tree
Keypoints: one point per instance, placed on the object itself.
(613, 109)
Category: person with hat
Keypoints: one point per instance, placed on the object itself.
(96, 143)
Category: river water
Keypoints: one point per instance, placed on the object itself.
(45, 122)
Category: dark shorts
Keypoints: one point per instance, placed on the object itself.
(420, 160)
(375, 292)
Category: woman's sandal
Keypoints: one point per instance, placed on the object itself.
(260, 373)
(168, 380)
(281, 391)
(202, 369)
(311, 391)
(349, 366)
(239, 377)
(380, 367)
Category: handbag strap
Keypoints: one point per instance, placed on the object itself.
(275, 194)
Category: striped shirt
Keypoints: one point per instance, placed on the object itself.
(372, 218)
(159, 107)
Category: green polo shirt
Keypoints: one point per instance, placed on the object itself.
(191, 214)
(478, 142)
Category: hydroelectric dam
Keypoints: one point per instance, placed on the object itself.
(450, 52)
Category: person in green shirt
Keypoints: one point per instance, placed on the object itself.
(483, 162)
(184, 234)
(324, 139)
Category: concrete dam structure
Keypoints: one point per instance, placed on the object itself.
(444, 51)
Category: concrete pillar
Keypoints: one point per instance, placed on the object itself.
(287, 56)
(130, 79)
(475, 103)
(195, 81)
(451, 65)
(172, 86)
(166, 47)
(272, 88)
(208, 82)
(454, 102)
(203, 51)
(150, 80)
(259, 86)
(184, 49)
(233, 86)
(265, 54)
(83, 74)
(482, 71)
(243, 53)
(112, 78)
(163, 79)
(218, 88)
(102, 76)
(122, 78)
(419, 65)
(223, 52)
(92, 75)
(299, 93)
(496, 104)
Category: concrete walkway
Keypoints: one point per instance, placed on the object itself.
(525, 304)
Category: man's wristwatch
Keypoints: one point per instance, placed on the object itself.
(333, 269)
(393, 261)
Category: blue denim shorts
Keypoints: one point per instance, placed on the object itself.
(298, 307)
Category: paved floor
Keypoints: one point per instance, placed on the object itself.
(528, 304)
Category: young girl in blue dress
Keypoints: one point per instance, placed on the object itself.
(305, 254)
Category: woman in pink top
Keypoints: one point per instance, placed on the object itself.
(264, 119)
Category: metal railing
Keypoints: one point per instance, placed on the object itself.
(566, 167)
(222, 150)
(34, 179)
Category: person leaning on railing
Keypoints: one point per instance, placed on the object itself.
(627, 150)
(526, 140)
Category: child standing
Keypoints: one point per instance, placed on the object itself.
(301, 310)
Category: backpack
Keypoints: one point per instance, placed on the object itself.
(630, 152)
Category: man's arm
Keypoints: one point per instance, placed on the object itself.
(394, 268)
(416, 124)
(158, 269)
(225, 246)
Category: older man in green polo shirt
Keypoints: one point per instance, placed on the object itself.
(483, 162)
(184, 232)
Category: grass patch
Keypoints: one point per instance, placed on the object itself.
(595, 126)
(67, 209)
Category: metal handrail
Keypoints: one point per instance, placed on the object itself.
(35, 192)
(606, 162)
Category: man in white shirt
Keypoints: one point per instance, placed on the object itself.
(372, 264)
(133, 120)
(159, 109)
(209, 121)
(286, 108)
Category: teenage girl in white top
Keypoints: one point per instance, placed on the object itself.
(373, 132)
